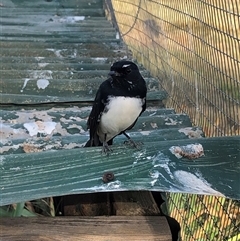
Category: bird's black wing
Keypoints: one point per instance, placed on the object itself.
(96, 112)
(94, 118)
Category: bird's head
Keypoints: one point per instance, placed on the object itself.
(124, 69)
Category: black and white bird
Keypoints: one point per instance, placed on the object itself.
(119, 102)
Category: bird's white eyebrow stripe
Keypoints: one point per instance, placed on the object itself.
(125, 65)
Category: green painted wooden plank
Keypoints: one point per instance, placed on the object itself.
(63, 20)
(55, 66)
(19, 115)
(59, 39)
(55, 29)
(60, 34)
(59, 3)
(64, 87)
(16, 12)
(54, 173)
(18, 145)
(60, 66)
(28, 99)
(37, 74)
(88, 49)
(52, 60)
(34, 125)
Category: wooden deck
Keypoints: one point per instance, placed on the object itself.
(54, 55)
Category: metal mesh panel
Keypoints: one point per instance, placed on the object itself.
(193, 48)
(205, 218)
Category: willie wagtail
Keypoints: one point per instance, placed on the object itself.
(119, 102)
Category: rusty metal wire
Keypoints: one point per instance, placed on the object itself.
(193, 48)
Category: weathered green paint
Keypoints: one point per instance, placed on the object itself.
(25, 99)
(70, 125)
(44, 40)
(84, 86)
(36, 175)
(76, 140)
(15, 115)
(96, 12)
(54, 4)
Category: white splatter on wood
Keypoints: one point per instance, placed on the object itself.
(160, 160)
(42, 83)
(194, 184)
(24, 84)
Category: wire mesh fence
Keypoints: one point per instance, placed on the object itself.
(193, 48)
(205, 218)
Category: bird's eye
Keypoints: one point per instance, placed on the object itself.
(128, 70)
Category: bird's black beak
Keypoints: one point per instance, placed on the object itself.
(113, 73)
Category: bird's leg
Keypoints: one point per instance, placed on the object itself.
(105, 148)
(131, 142)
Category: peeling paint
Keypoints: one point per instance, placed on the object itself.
(191, 151)
(8, 133)
(42, 65)
(22, 127)
(73, 145)
(6, 148)
(99, 59)
(145, 133)
(40, 127)
(71, 19)
(191, 133)
(39, 58)
(57, 52)
(154, 125)
(40, 74)
(171, 122)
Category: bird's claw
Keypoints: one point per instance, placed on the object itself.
(106, 149)
(133, 144)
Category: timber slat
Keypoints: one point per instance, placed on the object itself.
(114, 228)
(17, 145)
(28, 99)
(153, 167)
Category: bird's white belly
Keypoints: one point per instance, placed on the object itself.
(121, 114)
